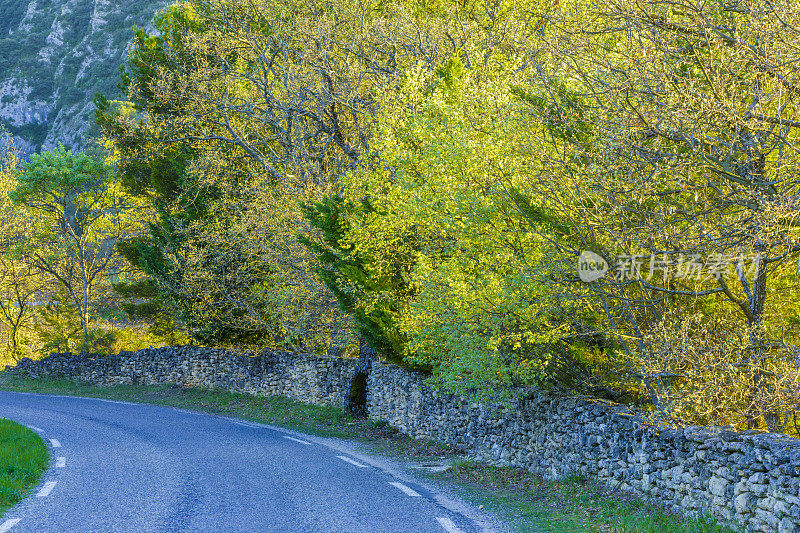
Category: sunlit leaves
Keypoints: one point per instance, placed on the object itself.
(78, 213)
(453, 144)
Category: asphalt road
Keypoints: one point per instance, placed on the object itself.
(123, 467)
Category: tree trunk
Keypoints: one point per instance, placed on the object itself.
(759, 395)
(357, 398)
(85, 306)
(15, 337)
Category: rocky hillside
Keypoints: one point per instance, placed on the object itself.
(54, 56)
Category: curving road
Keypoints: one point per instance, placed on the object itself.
(123, 467)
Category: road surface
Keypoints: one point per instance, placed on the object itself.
(124, 467)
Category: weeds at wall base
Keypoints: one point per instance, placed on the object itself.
(573, 504)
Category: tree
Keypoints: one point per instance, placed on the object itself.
(675, 147)
(237, 112)
(651, 140)
(20, 283)
(80, 215)
(374, 297)
(240, 128)
(432, 237)
(141, 303)
(373, 281)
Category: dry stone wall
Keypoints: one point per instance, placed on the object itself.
(319, 380)
(751, 479)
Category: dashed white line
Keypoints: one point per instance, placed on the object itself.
(54, 443)
(296, 440)
(61, 462)
(37, 430)
(405, 488)
(113, 401)
(448, 525)
(45, 490)
(8, 524)
(354, 463)
(245, 424)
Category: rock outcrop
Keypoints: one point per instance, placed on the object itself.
(54, 56)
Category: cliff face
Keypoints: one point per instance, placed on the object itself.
(54, 56)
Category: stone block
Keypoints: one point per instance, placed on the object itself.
(745, 503)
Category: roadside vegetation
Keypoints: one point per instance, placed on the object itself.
(23, 458)
(61, 217)
(525, 501)
(570, 505)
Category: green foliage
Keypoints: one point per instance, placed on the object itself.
(58, 328)
(55, 176)
(452, 74)
(141, 301)
(555, 106)
(68, 214)
(445, 214)
(204, 150)
(166, 50)
(163, 178)
(373, 300)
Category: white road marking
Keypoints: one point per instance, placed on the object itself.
(448, 525)
(46, 489)
(354, 463)
(113, 401)
(245, 424)
(61, 462)
(296, 440)
(8, 524)
(405, 488)
(54, 443)
(37, 430)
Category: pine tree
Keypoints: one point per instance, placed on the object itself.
(373, 301)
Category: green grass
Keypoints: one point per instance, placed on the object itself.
(23, 458)
(571, 505)
(525, 501)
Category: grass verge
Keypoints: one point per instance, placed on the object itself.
(526, 502)
(23, 458)
(571, 505)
